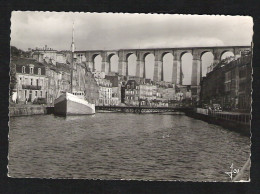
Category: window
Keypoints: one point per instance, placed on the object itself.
(31, 81)
(40, 82)
(227, 86)
(26, 80)
(35, 93)
(242, 86)
(228, 76)
(31, 70)
(242, 73)
(41, 93)
(39, 71)
(23, 69)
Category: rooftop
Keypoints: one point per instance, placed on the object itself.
(25, 61)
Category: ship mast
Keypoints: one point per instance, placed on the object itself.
(72, 58)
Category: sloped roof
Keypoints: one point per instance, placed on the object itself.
(132, 81)
(25, 61)
(37, 53)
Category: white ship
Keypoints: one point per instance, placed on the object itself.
(73, 103)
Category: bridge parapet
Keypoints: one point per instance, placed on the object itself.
(137, 109)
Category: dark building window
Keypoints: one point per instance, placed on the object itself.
(242, 86)
(242, 73)
(227, 86)
(23, 69)
(228, 76)
(31, 70)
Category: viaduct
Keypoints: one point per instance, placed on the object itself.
(123, 54)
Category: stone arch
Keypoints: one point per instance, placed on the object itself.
(131, 63)
(207, 61)
(183, 53)
(95, 64)
(93, 56)
(226, 51)
(109, 56)
(145, 55)
(112, 60)
(185, 72)
(167, 63)
(152, 63)
(204, 52)
(128, 55)
(163, 54)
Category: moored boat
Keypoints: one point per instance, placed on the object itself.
(69, 104)
(73, 103)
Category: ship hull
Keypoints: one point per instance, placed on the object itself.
(68, 104)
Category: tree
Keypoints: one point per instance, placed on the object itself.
(15, 52)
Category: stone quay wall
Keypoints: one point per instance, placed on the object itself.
(27, 111)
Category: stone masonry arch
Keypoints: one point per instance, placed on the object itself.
(158, 53)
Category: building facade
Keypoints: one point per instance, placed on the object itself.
(132, 94)
(229, 84)
(148, 94)
(245, 83)
(45, 54)
(116, 88)
(105, 92)
(91, 87)
(32, 82)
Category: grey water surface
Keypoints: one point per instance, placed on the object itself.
(123, 146)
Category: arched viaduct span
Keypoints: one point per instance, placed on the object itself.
(89, 55)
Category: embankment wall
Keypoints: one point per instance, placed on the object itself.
(27, 111)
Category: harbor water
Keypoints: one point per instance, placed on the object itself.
(114, 146)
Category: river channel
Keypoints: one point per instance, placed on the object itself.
(123, 146)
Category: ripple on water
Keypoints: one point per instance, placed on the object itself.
(123, 146)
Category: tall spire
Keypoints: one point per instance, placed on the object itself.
(72, 43)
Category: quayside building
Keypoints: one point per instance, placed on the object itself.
(229, 84)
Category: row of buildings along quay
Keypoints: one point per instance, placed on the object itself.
(41, 75)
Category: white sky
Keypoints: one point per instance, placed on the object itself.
(121, 31)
